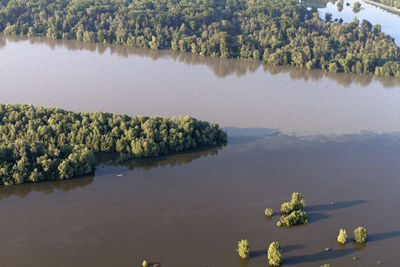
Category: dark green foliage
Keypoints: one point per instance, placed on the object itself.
(295, 218)
(67, 139)
(356, 7)
(104, 132)
(22, 162)
(360, 235)
(297, 203)
(294, 209)
(279, 32)
(286, 208)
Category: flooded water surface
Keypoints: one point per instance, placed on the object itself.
(333, 137)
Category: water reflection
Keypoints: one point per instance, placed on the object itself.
(49, 187)
(44, 187)
(160, 162)
(221, 67)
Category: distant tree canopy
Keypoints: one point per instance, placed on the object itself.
(50, 143)
(279, 32)
(393, 3)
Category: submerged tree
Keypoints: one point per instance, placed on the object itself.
(274, 254)
(360, 235)
(342, 237)
(243, 249)
(269, 212)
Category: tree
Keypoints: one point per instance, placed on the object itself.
(274, 254)
(360, 235)
(298, 201)
(243, 249)
(342, 237)
(328, 17)
(269, 212)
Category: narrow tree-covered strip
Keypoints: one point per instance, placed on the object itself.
(279, 32)
(38, 143)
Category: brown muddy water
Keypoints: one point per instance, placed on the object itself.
(332, 137)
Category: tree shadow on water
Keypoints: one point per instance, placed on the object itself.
(316, 217)
(285, 249)
(382, 236)
(320, 256)
(334, 206)
(288, 248)
(341, 252)
(257, 253)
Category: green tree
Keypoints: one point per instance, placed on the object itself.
(342, 237)
(274, 254)
(243, 249)
(360, 235)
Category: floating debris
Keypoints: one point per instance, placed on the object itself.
(119, 175)
(328, 249)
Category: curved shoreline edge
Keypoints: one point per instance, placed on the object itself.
(384, 6)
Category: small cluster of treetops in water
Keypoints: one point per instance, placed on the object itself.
(293, 210)
(40, 143)
(279, 32)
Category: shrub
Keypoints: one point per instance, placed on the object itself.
(342, 237)
(243, 249)
(295, 218)
(274, 254)
(360, 235)
(326, 265)
(269, 212)
(279, 224)
(286, 208)
(298, 201)
(144, 264)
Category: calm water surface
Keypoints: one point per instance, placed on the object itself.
(333, 137)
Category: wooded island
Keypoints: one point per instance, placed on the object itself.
(40, 143)
(279, 32)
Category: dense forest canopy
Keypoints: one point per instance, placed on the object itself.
(49, 143)
(279, 32)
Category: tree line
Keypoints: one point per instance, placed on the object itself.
(279, 32)
(393, 3)
(40, 143)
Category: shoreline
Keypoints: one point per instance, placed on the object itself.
(384, 6)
